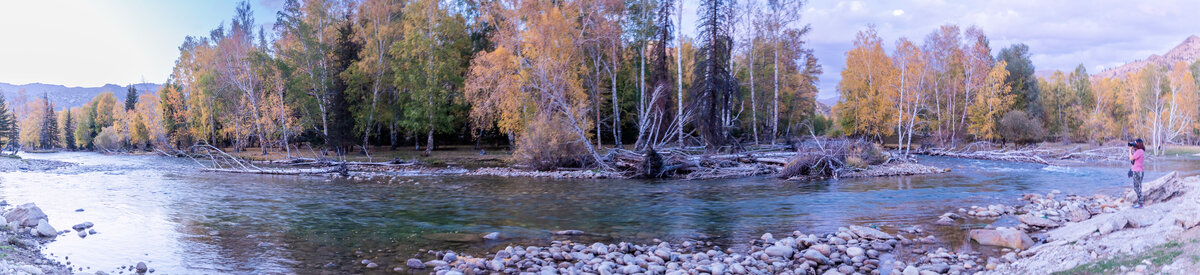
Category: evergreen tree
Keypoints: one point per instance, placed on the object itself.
(68, 132)
(8, 124)
(341, 124)
(1021, 78)
(131, 98)
(713, 85)
(49, 134)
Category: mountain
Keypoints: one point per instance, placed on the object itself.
(1188, 51)
(69, 97)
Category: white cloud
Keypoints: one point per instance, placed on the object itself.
(897, 12)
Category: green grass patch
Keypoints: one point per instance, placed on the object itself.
(1159, 255)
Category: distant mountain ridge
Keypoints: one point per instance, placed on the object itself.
(1188, 51)
(69, 97)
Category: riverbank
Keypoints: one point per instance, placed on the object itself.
(25, 230)
(1105, 235)
(1054, 232)
(12, 163)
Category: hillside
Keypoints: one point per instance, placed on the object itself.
(1188, 51)
(69, 97)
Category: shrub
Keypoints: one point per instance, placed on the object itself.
(107, 139)
(1019, 127)
(548, 144)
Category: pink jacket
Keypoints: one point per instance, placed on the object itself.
(1138, 157)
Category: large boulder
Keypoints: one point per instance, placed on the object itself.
(26, 215)
(1036, 221)
(1159, 190)
(45, 230)
(870, 233)
(1010, 238)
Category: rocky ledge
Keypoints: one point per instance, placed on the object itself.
(1081, 230)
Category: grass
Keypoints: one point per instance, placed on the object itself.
(450, 155)
(1180, 150)
(1158, 256)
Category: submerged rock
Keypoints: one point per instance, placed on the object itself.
(82, 226)
(415, 264)
(1010, 238)
(568, 232)
(492, 236)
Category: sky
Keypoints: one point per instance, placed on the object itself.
(91, 43)
(95, 42)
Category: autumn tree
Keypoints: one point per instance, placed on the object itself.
(530, 85)
(866, 88)
(378, 28)
(993, 101)
(913, 79)
(945, 49)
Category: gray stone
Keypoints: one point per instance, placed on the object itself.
(824, 249)
(82, 226)
(141, 267)
(779, 251)
(25, 215)
(45, 230)
(870, 233)
(450, 257)
(855, 251)
(1010, 238)
(568, 232)
(816, 256)
(1032, 220)
(415, 264)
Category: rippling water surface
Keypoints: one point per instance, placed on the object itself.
(154, 209)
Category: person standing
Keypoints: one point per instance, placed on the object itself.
(1137, 170)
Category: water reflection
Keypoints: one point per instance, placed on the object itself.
(154, 209)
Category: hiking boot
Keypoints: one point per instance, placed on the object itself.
(1137, 206)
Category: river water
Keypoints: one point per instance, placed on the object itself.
(156, 210)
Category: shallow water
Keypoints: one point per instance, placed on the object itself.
(153, 209)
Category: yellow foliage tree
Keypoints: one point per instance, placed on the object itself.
(866, 107)
(993, 101)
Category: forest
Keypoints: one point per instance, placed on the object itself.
(562, 83)
(950, 90)
(556, 80)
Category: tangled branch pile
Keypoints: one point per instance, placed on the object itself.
(833, 158)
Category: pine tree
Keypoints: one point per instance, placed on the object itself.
(341, 124)
(8, 124)
(131, 98)
(714, 85)
(49, 124)
(68, 132)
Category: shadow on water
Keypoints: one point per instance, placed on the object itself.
(154, 209)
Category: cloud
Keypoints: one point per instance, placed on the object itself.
(897, 12)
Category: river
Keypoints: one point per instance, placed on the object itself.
(157, 210)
